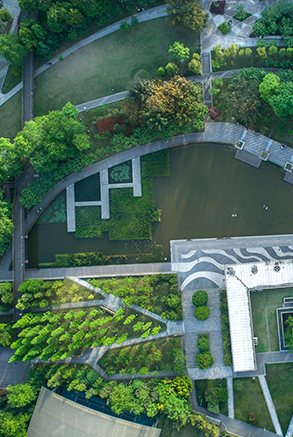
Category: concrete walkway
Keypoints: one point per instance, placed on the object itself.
(289, 432)
(270, 404)
(231, 412)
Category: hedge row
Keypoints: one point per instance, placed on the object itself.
(225, 329)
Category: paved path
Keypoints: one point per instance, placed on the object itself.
(231, 412)
(13, 373)
(150, 14)
(289, 432)
(270, 404)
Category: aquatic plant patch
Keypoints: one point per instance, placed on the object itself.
(56, 211)
(121, 173)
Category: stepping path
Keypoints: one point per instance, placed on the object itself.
(270, 404)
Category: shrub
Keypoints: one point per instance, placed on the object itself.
(224, 28)
(273, 50)
(194, 66)
(171, 69)
(201, 313)
(124, 26)
(282, 52)
(203, 343)
(5, 15)
(248, 51)
(200, 298)
(290, 52)
(161, 72)
(225, 329)
(241, 52)
(204, 360)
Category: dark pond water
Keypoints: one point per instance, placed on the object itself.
(206, 186)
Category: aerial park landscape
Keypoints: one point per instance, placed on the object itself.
(146, 241)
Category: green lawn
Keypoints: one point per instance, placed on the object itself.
(10, 117)
(109, 63)
(280, 382)
(267, 300)
(251, 400)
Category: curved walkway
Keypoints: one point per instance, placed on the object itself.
(150, 14)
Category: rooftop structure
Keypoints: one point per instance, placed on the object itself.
(56, 416)
(240, 280)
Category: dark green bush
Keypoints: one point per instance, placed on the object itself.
(203, 343)
(225, 329)
(204, 360)
(201, 313)
(200, 298)
(224, 28)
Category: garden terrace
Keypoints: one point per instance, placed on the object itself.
(158, 355)
(67, 333)
(156, 293)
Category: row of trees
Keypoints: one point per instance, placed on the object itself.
(61, 335)
(275, 20)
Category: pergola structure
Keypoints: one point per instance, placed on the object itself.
(240, 280)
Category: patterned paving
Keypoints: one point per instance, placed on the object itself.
(205, 268)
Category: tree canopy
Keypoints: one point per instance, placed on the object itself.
(54, 138)
(282, 103)
(178, 101)
(188, 14)
(269, 86)
(242, 101)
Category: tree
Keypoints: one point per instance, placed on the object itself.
(13, 51)
(179, 51)
(269, 86)
(20, 395)
(242, 101)
(200, 298)
(13, 426)
(188, 14)
(282, 103)
(289, 332)
(204, 360)
(28, 5)
(124, 26)
(5, 15)
(54, 138)
(6, 296)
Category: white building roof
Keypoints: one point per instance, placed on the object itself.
(240, 279)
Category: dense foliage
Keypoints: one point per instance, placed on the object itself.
(6, 224)
(213, 397)
(275, 20)
(204, 360)
(187, 13)
(61, 334)
(156, 396)
(99, 259)
(17, 404)
(160, 355)
(225, 329)
(36, 293)
(6, 296)
(203, 343)
(155, 103)
(156, 293)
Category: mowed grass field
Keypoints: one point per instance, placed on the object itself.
(10, 117)
(109, 63)
(280, 382)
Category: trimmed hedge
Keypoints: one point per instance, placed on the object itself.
(204, 360)
(99, 259)
(200, 298)
(225, 329)
(201, 313)
(203, 343)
